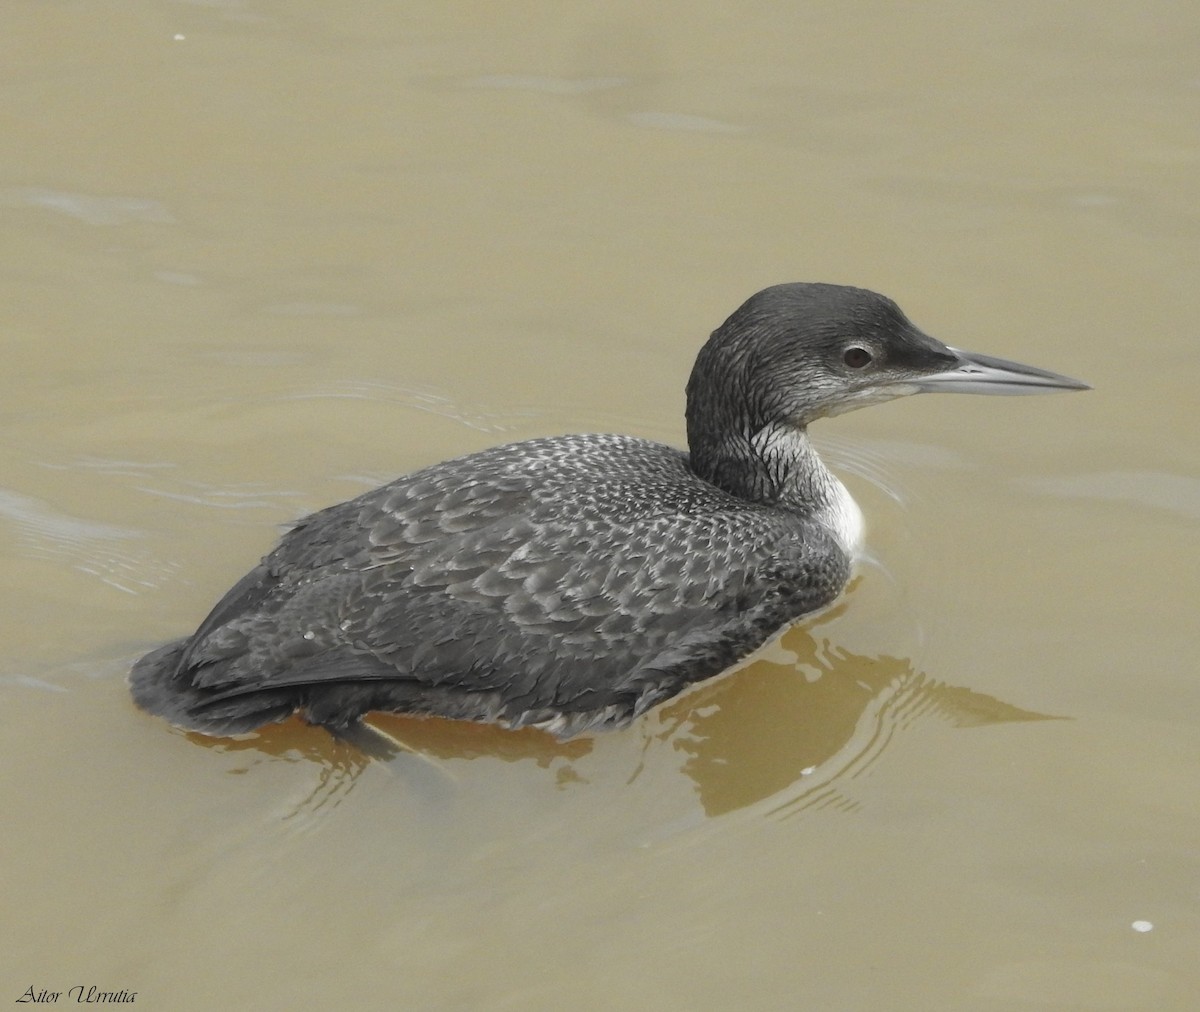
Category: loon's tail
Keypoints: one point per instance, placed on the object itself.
(161, 686)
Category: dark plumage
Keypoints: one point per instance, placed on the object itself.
(572, 582)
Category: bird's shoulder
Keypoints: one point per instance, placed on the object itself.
(572, 490)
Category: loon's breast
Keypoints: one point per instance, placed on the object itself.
(843, 518)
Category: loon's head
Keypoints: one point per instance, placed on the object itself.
(797, 352)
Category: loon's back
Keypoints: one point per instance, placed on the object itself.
(567, 582)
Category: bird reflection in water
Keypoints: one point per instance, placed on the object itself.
(785, 729)
(820, 716)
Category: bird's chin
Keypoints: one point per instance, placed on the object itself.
(865, 398)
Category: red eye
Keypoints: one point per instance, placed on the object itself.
(856, 357)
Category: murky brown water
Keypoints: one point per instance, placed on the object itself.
(257, 255)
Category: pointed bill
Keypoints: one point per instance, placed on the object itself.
(983, 374)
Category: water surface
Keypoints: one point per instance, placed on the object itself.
(259, 256)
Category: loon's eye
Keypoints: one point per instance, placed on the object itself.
(856, 357)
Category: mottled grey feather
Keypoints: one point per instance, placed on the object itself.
(567, 582)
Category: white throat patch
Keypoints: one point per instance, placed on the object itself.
(835, 508)
(844, 518)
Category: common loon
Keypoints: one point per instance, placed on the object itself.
(573, 582)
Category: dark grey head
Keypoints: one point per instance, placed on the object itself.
(800, 352)
(794, 353)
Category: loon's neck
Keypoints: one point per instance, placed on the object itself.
(777, 465)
